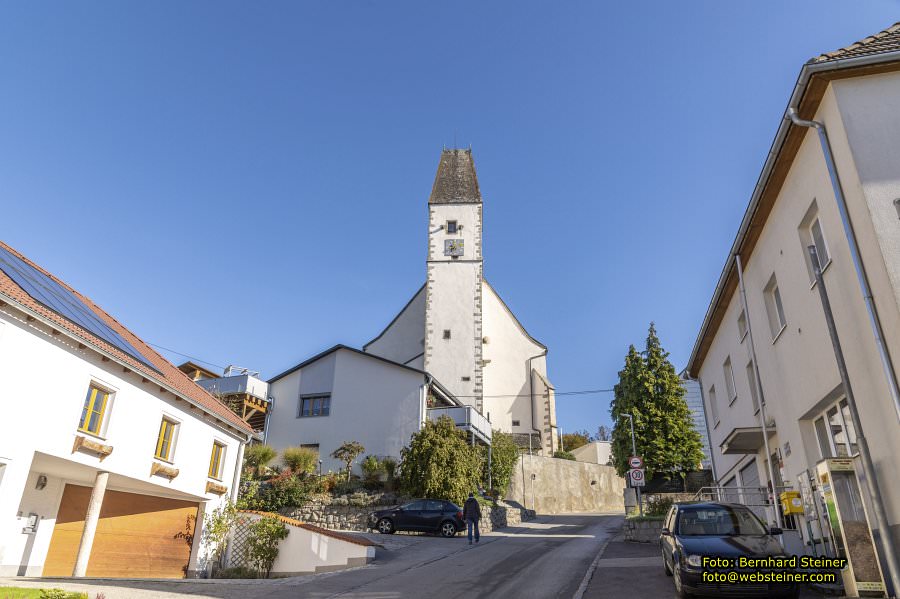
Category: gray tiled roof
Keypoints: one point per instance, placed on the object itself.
(456, 180)
(879, 43)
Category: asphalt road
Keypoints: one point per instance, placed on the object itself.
(544, 558)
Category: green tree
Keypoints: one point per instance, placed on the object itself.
(217, 526)
(347, 452)
(262, 544)
(504, 456)
(301, 460)
(575, 440)
(563, 455)
(257, 457)
(651, 391)
(440, 463)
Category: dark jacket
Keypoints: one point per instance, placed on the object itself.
(472, 509)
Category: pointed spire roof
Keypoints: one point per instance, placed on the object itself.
(456, 180)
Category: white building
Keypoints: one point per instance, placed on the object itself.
(855, 93)
(456, 326)
(109, 455)
(344, 394)
(595, 452)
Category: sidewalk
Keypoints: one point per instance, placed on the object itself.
(629, 570)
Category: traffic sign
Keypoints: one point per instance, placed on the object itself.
(636, 475)
(636, 461)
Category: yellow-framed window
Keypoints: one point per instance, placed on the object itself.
(166, 439)
(215, 460)
(94, 410)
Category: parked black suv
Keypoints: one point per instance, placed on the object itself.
(426, 515)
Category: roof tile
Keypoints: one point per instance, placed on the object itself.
(884, 41)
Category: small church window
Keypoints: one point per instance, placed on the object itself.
(446, 333)
(451, 227)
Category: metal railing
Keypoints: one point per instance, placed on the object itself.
(466, 418)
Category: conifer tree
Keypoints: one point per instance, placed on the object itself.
(651, 391)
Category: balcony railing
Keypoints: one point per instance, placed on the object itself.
(466, 418)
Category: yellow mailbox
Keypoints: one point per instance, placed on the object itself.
(791, 503)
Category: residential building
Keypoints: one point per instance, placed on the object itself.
(109, 455)
(694, 399)
(595, 452)
(344, 394)
(855, 92)
(456, 326)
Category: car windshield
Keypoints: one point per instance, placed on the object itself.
(719, 520)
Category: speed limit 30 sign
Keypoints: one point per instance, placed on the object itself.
(636, 475)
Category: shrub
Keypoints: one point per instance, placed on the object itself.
(257, 457)
(328, 482)
(301, 460)
(345, 487)
(61, 594)
(284, 490)
(262, 545)
(217, 525)
(658, 505)
(440, 463)
(504, 455)
(347, 453)
(563, 455)
(390, 472)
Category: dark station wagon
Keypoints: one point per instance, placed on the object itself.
(422, 515)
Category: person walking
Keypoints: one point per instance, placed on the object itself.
(472, 514)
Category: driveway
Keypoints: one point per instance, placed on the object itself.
(546, 557)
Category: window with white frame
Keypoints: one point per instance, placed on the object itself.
(774, 307)
(812, 234)
(729, 380)
(751, 378)
(742, 325)
(713, 405)
(835, 431)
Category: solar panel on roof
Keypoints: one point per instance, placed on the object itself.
(54, 296)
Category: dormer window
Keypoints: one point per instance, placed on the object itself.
(451, 227)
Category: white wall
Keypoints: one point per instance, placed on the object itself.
(509, 349)
(595, 452)
(404, 339)
(46, 378)
(375, 403)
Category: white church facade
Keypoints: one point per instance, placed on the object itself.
(455, 346)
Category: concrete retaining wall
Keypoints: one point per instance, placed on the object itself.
(565, 486)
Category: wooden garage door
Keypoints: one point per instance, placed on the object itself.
(138, 536)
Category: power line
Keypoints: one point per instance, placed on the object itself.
(582, 392)
(185, 355)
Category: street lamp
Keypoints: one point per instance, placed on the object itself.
(634, 453)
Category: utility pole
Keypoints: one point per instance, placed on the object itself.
(868, 466)
(634, 453)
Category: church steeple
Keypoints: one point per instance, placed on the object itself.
(455, 181)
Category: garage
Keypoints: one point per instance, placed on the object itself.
(138, 536)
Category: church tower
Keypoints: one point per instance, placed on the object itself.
(453, 324)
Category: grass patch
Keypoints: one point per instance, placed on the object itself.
(37, 593)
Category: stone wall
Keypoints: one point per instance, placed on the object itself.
(351, 512)
(639, 530)
(565, 486)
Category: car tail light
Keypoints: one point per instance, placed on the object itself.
(459, 515)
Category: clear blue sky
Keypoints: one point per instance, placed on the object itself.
(247, 183)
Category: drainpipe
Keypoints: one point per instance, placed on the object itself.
(883, 353)
(887, 541)
(268, 414)
(757, 381)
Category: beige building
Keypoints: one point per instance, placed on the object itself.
(855, 92)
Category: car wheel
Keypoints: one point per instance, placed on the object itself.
(666, 565)
(385, 526)
(448, 529)
(679, 588)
